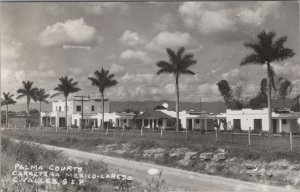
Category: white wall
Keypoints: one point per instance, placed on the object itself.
(247, 117)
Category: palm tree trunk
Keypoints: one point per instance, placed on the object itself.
(269, 103)
(27, 117)
(40, 115)
(6, 122)
(102, 120)
(66, 106)
(177, 104)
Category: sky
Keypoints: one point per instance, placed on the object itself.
(41, 42)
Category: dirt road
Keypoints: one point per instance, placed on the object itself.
(180, 180)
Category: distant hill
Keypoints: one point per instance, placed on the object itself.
(211, 107)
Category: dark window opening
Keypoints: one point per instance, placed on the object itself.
(284, 121)
(78, 108)
(197, 120)
(93, 108)
(59, 109)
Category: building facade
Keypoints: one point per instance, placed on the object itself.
(257, 119)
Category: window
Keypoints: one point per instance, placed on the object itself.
(59, 108)
(93, 108)
(56, 108)
(284, 121)
(78, 108)
(75, 122)
(197, 121)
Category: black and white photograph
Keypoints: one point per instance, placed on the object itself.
(150, 96)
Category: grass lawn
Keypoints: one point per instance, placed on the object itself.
(236, 145)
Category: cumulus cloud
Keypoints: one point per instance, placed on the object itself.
(71, 32)
(208, 90)
(117, 69)
(212, 17)
(287, 69)
(131, 38)
(172, 40)
(150, 86)
(100, 8)
(135, 56)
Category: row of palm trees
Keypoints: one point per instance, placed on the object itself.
(265, 52)
(102, 80)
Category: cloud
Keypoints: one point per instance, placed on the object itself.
(171, 40)
(11, 51)
(166, 22)
(208, 91)
(117, 69)
(215, 17)
(76, 70)
(288, 69)
(100, 8)
(135, 56)
(131, 38)
(152, 87)
(70, 33)
(20, 75)
(41, 74)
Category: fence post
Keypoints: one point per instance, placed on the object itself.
(123, 130)
(161, 133)
(291, 141)
(141, 131)
(249, 136)
(231, 135)
(106, 130)
(92, 129)
(216, 134)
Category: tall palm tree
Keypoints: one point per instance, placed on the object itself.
(7, 100)
(179, 64)
(103, 80)
(41, 96)
(266, 51)
(285, 88)
(66, 86)
(27, 91)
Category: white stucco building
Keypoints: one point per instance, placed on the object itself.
(257, 119)
(90, 112)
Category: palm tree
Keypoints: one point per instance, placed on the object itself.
(66, 87)
(103, 80)
(41, 96)
(178, 64)
(27, 91)
(265, 51)
(7, 100)
(285, 88)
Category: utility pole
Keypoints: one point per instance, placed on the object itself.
(81, 99)
(200, 104)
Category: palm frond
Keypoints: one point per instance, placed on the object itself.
(54, 95)
(252, 59)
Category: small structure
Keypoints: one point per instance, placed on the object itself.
(152, 120)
